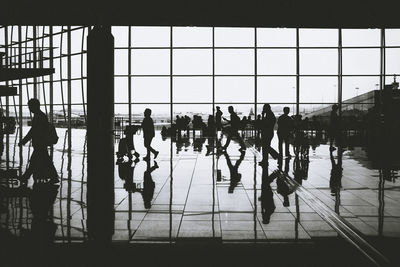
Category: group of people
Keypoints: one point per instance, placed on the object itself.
(266, 126)
(42, 168)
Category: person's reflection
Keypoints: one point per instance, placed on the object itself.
(1, 134)
(179, 145)
(335, 181)
(267, 196)
(210, 145)
(282, 186)
(287, 162)
(126, 169)
(42, 200)
(234, 170)
(148, 184)
(283, 189)
(198, 143)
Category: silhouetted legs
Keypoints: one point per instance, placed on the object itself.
(41, 167)
(147, 145)
(237, 135)
(283, 138)
(266, 144)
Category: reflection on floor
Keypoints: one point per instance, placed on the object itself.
(199, 193)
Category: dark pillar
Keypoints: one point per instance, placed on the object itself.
(100, 136)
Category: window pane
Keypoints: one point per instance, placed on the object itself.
(2, 41)
(318, 37)
(121, 90)
(151, 36)
(353, 86)
(192, 89)
(392, 37)
(150, 61)
(276, 37)
(361, 61)
(121, 61)
(231, 61)
(361, 37)
(150, 89)
(56, 65)
(393, 61)
(121, 110)
(276, 61)
(76, 92)
(318, 89)
(318, 61)
(64, 67)
(192, 36)
(191, 61)
(76, 68)
(231, 37)
(76, 40)
(120, 36)
(234, 89)
(276, 89)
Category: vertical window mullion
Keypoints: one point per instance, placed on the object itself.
(171, 75)
(130, 74)
(340, 71)
(255, 73)
(297, 73)
(213, 70)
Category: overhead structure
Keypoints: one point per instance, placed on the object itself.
(8, 91)
(9, 74)
(222, 13)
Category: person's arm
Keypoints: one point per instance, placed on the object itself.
(26, 139)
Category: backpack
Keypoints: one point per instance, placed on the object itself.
(52, 137)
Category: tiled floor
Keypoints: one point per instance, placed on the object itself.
(191, 199)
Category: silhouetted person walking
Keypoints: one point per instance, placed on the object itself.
(334, 126)
(211, 126)
(267, 133)
(148, 133)
(40, 165)
(234, 130)
(285, 128)
(218, 118)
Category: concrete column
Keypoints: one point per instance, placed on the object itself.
(100, 135)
